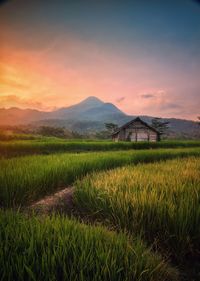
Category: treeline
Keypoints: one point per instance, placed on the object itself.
(32, 132)
(29, 132)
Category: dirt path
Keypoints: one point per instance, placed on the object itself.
(60, 202)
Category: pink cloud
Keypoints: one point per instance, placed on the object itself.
(69, 70)
(15, 101)
(120, 100)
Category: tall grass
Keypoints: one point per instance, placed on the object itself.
(25, 179)
(161, 201)
(59, 249)
(53, 145)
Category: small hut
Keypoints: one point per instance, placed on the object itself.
(136, 130)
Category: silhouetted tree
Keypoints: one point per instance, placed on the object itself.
(106, 134)
(111, 127)
(159, 125)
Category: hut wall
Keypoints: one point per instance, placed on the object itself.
(153, 136)
(115, 138)
(136, 131)
(121, 135)
(142, 135)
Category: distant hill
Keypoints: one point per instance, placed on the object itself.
(89, 116)
(91, 109)
(77, 110)
(179, 128)
(16, 116)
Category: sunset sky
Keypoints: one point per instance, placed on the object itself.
(143, 56)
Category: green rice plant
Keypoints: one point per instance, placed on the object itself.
(26, 179)
(160, 201)
(53, 145)
(55, 248)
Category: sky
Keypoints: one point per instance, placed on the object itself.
(141, 55)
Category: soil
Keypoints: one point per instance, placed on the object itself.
(59, 202)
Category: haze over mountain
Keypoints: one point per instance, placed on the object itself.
(89, 116)
(92, 109)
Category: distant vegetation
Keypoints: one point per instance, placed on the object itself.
(47, 145)
(25, 179)
(8, 133)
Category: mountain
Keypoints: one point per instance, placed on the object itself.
(76, 110)
(105, 112)
(16, 116)
(89, 109)
(89, 116)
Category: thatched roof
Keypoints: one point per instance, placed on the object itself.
(132, 121)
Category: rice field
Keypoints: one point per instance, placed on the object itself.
(56, 248)
(159, 201)
(26, 179)
(16, 148)
(149, 198)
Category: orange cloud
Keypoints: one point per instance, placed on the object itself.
(15, 101)
(69, 70)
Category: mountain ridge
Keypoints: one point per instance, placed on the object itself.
(89, 115)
